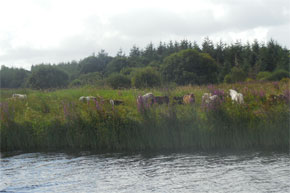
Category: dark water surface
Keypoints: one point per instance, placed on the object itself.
(167, 172)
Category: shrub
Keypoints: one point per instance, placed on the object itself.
(285, 80)
(146, 77)
(75, 83)
(263, 75)
(189, 67)
(249, 80)
(236, 75)
(278, 75)
(118, 81)
(228, 78)
(48, 77)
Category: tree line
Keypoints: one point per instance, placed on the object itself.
(180, 63)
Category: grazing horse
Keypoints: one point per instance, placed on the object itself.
(213, 98)
(161, 100)
(146, 99)
(116, 102)
(237, 97)
(87, 98)
(208, 98)
(178, 100)
(19, 96)
(189, 99)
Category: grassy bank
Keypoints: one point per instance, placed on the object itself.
(56, 119)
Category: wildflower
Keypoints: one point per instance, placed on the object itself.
(219, 92)
(140, 104)
(276, 85)
(65, 109)
(286, 94)
(262, 94)
(97, 105)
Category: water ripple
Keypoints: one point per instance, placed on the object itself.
(176, 172)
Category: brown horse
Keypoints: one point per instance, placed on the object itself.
(189, 99)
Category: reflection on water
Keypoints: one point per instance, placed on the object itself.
(174, 172)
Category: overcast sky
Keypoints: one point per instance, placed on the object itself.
(42, 31)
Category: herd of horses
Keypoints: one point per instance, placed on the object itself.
(207, 98)
(149, 99)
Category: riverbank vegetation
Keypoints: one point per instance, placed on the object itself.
(56, 119)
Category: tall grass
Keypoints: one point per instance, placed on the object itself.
(57, 120)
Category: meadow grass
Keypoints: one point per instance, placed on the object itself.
(52, 120)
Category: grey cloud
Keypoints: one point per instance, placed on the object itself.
(257, 13)
(74, 48)
(149, 23)
(280, 34)
(239, 16)
(142, 26)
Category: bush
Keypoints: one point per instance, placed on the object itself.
(189, 67)
(75, 83)
(146, 77)
(285, 80)
(118, 81)
(228, 79)
(278, 75)
(48, 77)
(236, 75)
(263, 75)
(249, 80)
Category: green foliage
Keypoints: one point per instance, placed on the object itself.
(117, 64)
(236, 75)
(278, 75)
(87, 79)
(146, 77)
(48, 77)
(128, 71)
(263, 75)
(95, 63)
(13, 77)
(180, 62)
(118, 81)
(189, 67)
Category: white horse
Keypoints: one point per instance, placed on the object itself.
(19, 96)
(237, 97)
(205, 98)
(208, 98)
(87, 98)
(146, 99)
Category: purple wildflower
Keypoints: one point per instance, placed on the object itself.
(5, 111)
(65, 110)
(262, 95)
(140, 104)
(276, 85)
(286, 94)
(210, 88)
(219, 92)
(97, 105)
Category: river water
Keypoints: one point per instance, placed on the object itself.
(143, 172)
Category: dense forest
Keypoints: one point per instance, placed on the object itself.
(178, 63)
